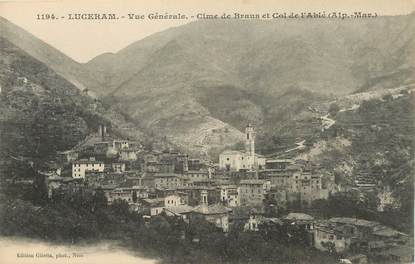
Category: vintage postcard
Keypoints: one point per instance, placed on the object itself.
(181, 131)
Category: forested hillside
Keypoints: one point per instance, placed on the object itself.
(382, 132)
(41, 112)
(374, 142)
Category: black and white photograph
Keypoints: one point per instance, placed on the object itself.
(211, 132)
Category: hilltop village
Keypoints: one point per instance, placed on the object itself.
(244, 190)
(149, 147)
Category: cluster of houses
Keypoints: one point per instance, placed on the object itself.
(124, 170)
(226, 194)
(343, 234)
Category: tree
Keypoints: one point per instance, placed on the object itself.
(121, 209)
(333, 109)
(387, 97)
(99, 200)
(271, 206)
(199, 227)
(330, 246)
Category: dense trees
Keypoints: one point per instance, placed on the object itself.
(347, 204)
(83, 215)
(71, 216)
(356, 204)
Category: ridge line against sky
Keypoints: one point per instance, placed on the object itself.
(84, 40)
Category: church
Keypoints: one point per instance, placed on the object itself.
(232, 160)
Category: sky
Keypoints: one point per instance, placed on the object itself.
(82, 40)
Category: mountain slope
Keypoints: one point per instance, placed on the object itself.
(41, 112)
(53, 58)
(200, 83)
(264, 72)
(378, 141)
(322, 55)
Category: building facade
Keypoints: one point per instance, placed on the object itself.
(231, 160)
(81, 166)
(229, 195)
(167, 181)
(173, 200)
(252, 192)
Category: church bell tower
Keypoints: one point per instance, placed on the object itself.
(250, 140)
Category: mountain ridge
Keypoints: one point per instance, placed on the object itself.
(44, 52)
(319, 59)
(224, 75)
(42, 112)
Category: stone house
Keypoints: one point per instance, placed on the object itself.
(216, 214)
(229, 195)
(252, 192)
(167, 180)
(79, 167)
